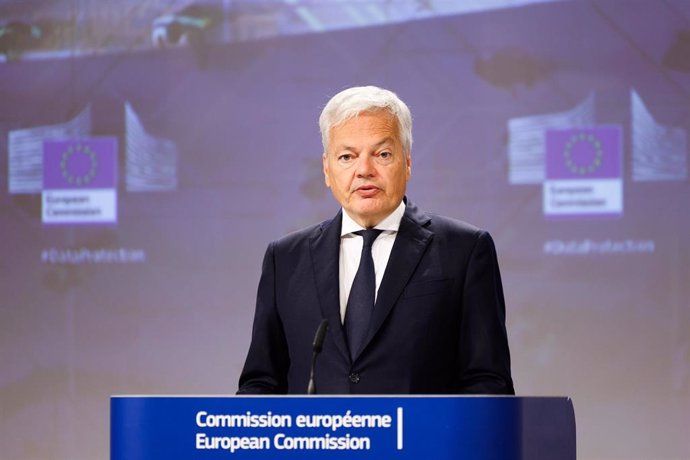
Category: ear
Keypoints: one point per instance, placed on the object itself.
(408, 165)
(324, 160)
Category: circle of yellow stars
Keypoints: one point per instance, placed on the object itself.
(596, 161)
(74, 150)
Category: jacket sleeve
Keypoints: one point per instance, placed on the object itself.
(266, 367)
(483, 348)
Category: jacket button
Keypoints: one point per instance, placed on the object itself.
(354, 377)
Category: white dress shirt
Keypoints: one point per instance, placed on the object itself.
(351, 251)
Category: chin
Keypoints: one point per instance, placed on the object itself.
(368, 211)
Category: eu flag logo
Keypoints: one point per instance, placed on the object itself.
(80, 164)
(583, 174)
(80, 181)
(583, 152)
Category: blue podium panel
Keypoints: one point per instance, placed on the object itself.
(340, 427)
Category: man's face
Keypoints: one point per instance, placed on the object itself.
(366, 167)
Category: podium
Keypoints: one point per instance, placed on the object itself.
(342, 427)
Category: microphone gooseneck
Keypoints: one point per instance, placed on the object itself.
(317, 346)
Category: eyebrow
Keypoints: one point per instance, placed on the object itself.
(378, 144)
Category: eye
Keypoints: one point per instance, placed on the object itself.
(345, 158)
(385, 157)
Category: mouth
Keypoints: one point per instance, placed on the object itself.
(367, 191)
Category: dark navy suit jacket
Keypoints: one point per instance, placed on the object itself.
(438, 326)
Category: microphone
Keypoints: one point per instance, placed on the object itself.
(317, 346)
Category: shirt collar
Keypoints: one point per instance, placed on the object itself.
(390, 223)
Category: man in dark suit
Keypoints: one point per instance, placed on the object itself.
(414, 301)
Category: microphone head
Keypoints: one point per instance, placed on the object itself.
(320, 336)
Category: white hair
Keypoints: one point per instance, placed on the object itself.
(353, 101)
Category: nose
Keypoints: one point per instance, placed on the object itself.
(365, 166)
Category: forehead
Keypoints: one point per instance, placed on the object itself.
(372, 126)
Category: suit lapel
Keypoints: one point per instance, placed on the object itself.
(408, 249)
(325, 254)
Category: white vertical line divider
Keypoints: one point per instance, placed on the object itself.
(400, 428)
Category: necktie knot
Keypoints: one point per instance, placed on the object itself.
(369, 236)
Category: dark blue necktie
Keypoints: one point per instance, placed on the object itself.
(360, 304)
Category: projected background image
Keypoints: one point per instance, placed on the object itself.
(154, 149)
